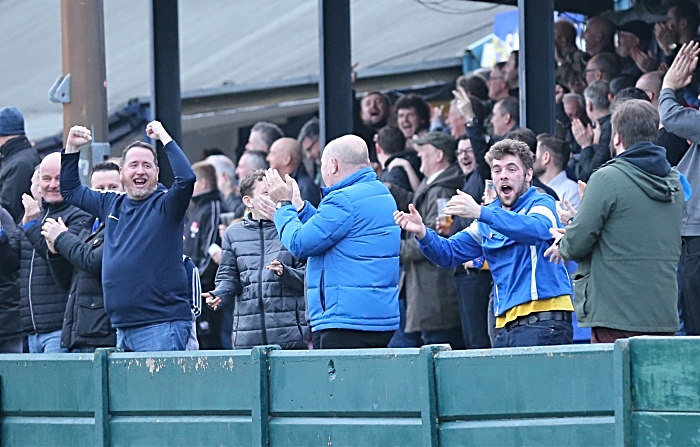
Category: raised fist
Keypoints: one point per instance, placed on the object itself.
(77, 136)
(155, 130)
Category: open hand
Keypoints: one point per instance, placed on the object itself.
(645, 61)
(278, 189)
(464, 103)
(266, 207)
(32, 210)
(582, 134)
(464, 205)
(411, 222)
(565, 215)
(553, 251)
(680, 73)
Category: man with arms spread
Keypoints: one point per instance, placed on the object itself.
(147, 295)
(352, 246)
(532, 297)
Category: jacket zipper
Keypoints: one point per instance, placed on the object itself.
(260, 283)
(31, 275)
(322, 290)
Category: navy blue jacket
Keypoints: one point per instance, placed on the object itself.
(143, 276)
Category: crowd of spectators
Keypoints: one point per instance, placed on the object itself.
(429, 225)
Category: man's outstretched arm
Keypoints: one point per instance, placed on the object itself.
(179, 195)
(72, 190)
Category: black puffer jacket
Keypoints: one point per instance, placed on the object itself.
(85, 323)
(269, 309)
(43, 299)
(9, 270)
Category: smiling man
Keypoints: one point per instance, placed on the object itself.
(146, 291)
(532, 297)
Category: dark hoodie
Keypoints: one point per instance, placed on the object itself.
(627, 238)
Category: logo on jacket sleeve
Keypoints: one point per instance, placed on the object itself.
(194, 229)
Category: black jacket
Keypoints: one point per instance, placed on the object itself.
(269, 309)
(85, 323)
(308, 189)
(43, 298)
(593, 157)
(202, 230)
(474, 186)
(9, 270)
(397, 176)
(17, 162)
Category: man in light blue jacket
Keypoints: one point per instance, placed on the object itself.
(352, 245)
(532, 297)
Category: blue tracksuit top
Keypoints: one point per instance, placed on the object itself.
(143, 275)
(513, 243)
(352, 244)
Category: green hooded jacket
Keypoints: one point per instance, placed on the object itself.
(626, 237)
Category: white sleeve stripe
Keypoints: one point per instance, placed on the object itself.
(473, 231)
(546, 212)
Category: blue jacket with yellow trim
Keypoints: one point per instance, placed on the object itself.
(513, 243)
(352, 244)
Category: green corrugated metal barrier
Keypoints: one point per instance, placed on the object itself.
(645, 391)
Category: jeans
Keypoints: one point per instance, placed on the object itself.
(689, 284)
(452, 337)
(192, 343)
(540, 333)
(171, 336)
(12, 345)
(401, 338)
(473, 288)
(46, 342)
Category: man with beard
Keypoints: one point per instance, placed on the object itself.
(146, 291)
(532, 297)
(373, 115)
(550, 167)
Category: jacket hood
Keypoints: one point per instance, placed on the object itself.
(647, 157)
(646, 165)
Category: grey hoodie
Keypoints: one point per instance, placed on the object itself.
(685, 122)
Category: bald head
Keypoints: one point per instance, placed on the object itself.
(651, 83)
(599, 35)
(285, 155)
(49, 178)
(342, 157)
